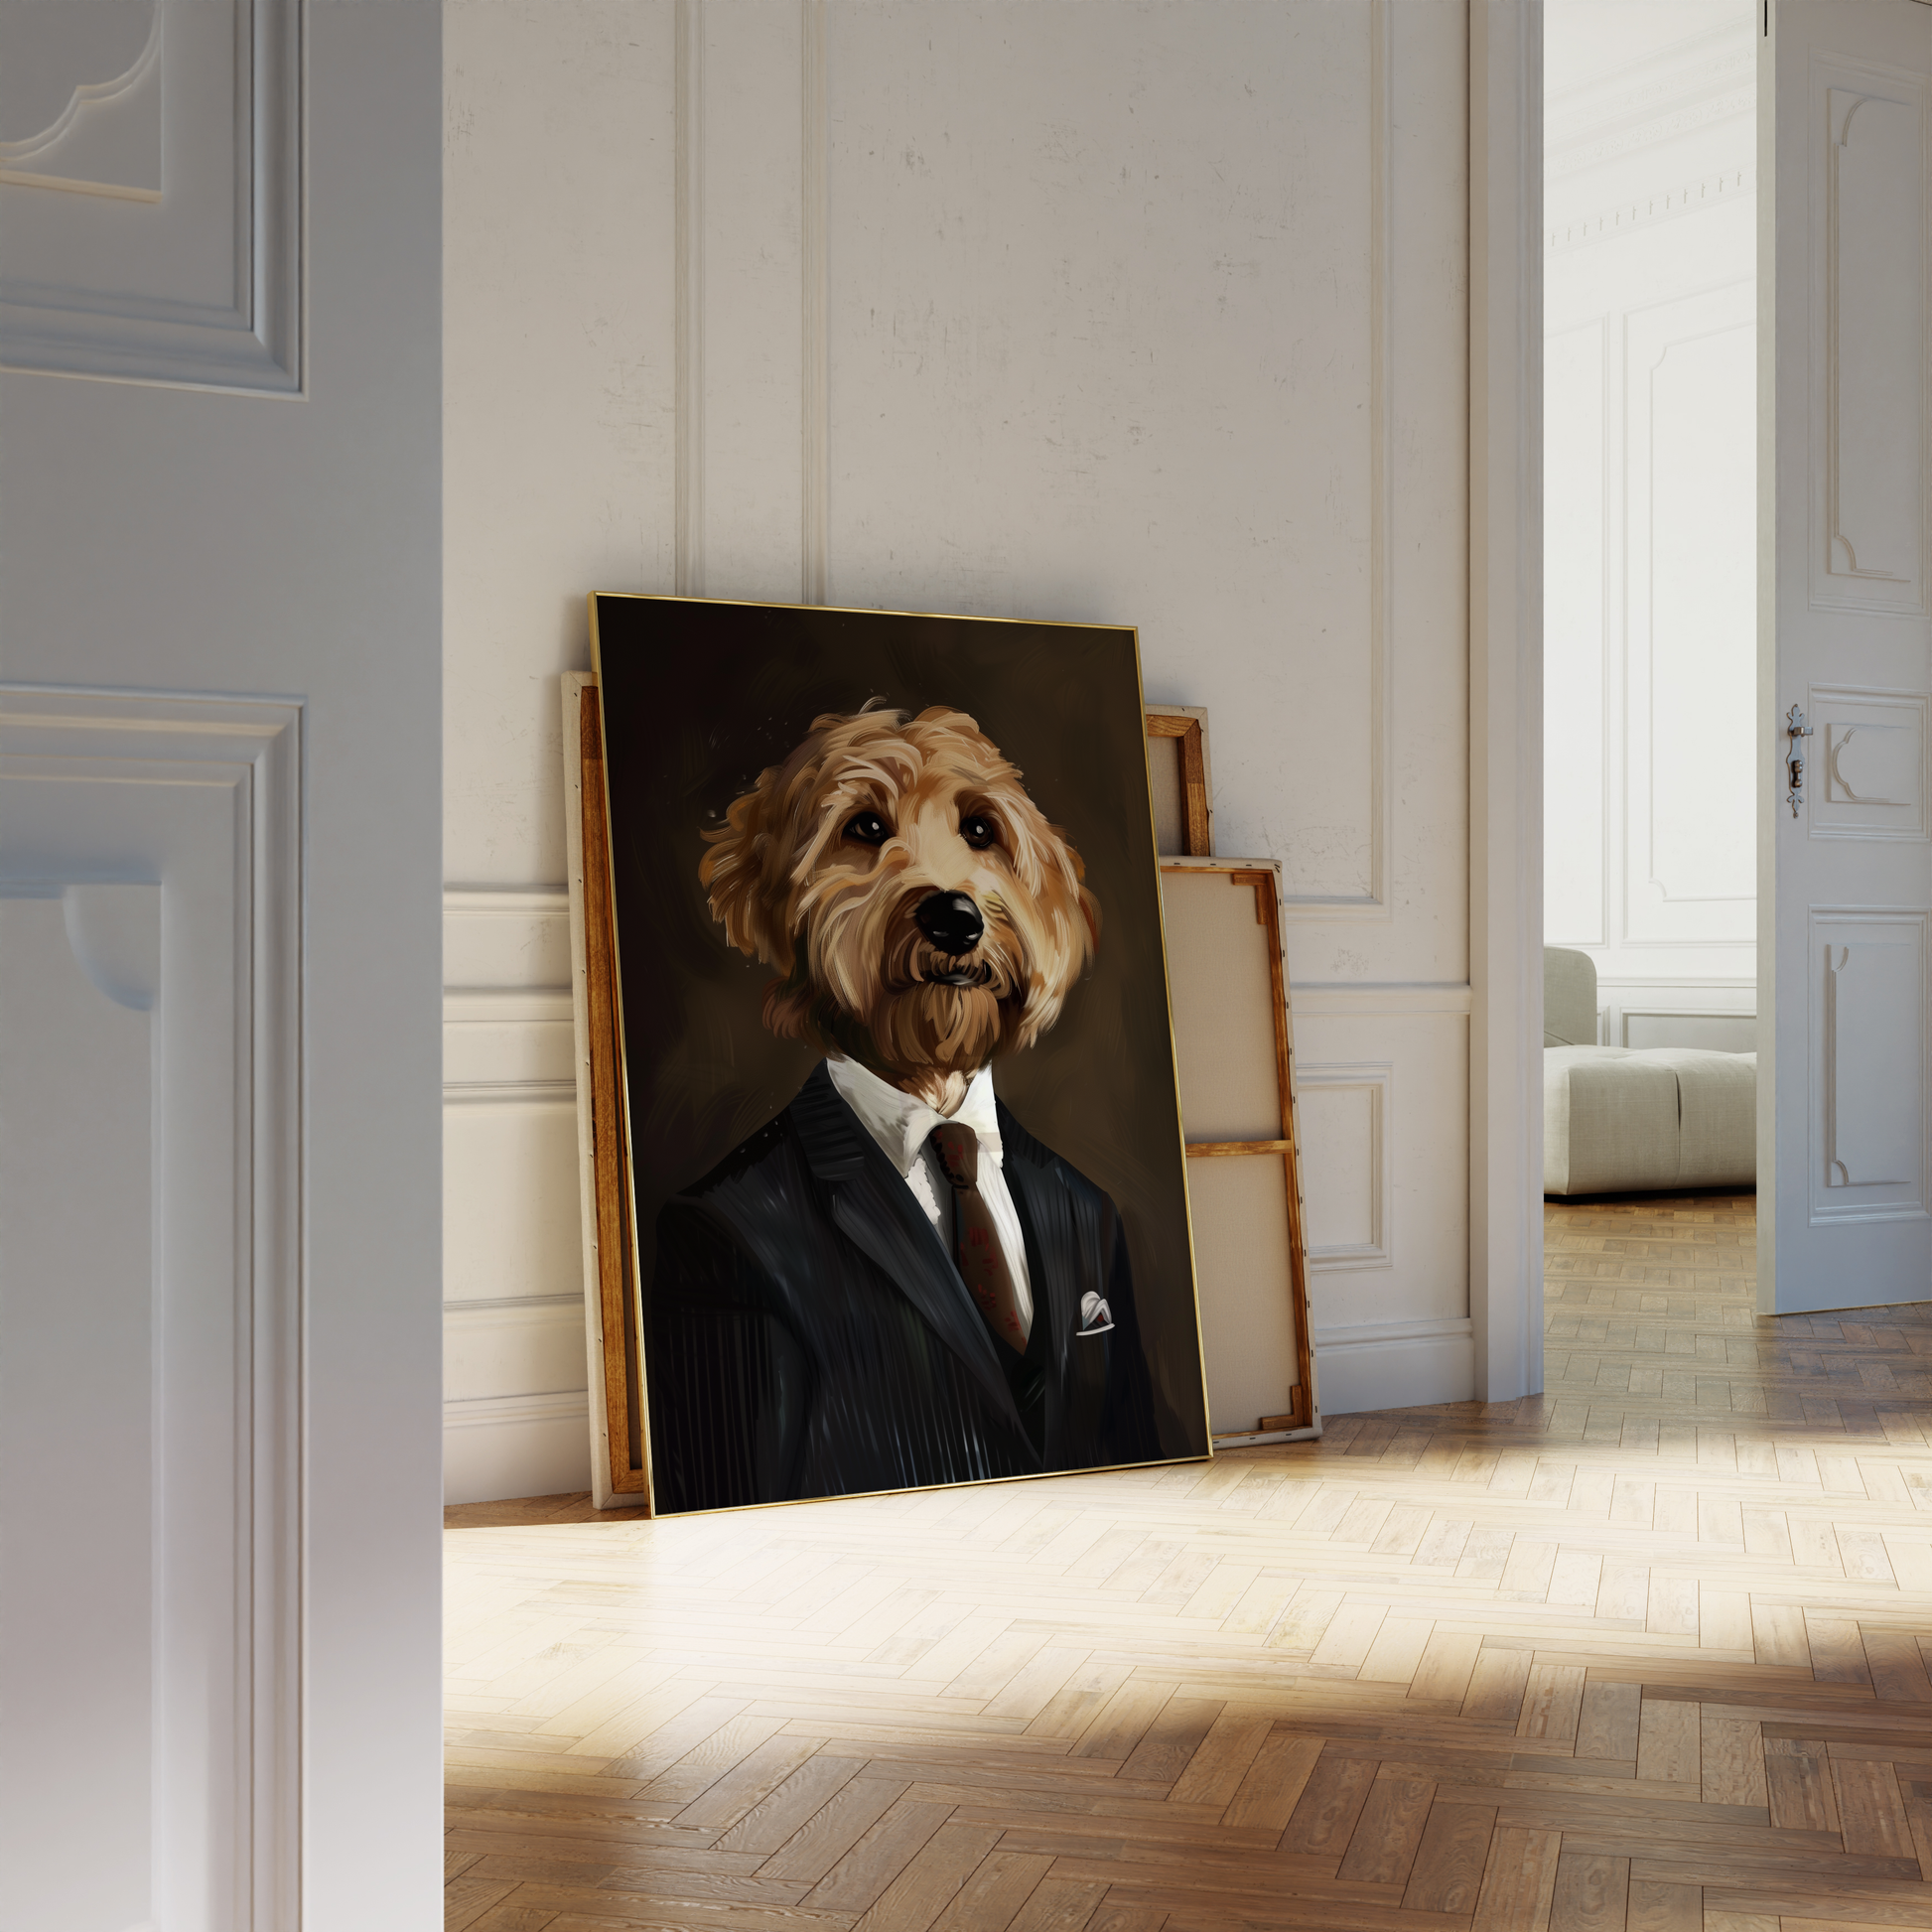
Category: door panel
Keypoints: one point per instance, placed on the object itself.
(1844, 136)
(55, 1028)
(219, 697)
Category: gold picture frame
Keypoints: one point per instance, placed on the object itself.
(618, 1199)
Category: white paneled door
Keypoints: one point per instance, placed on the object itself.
(1844, 681)
(220, 965)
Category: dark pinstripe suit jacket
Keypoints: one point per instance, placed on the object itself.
(810, 1337)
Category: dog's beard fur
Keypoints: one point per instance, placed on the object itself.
(859, 977)
(870, 986)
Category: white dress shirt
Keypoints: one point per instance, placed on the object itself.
(901, 1121)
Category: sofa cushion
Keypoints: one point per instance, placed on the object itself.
(1609, 1120)
(1716, 1113)
(1619, 1120)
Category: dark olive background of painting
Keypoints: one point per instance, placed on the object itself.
(701, 697)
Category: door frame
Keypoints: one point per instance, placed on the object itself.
(1506, 696)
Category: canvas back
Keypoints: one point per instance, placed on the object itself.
(1235, 1051)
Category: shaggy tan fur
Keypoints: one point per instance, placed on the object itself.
(834, 914)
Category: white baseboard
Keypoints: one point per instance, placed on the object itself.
(1396, 1364)
(501, 1446)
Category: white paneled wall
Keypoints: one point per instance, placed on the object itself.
(1141, 312)
(1650, 502)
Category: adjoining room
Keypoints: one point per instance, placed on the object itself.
(1650, 588)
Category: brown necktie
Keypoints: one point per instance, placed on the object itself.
(976, 1240)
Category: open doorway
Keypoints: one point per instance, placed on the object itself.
(1650, 302)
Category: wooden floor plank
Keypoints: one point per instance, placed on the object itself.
(1593, 1894)
(994, 1893)
(1324, 1820)
(768, 1824)
(1608, 1719)
(1871, 1809)
(1446, 1875)
(831, 1831)
(1655, 1907)
(930, 1880)
(1273, 1783)
(878, 1858)
(1519, 1880)
(1389, 1828)
(1215, 1772)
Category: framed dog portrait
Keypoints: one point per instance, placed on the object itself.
(892, 1137)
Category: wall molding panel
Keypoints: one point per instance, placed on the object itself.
(1689, 877)
(1358, 1100)
(1376, 902)
(169, 826)
(190, 275)
(1386, 1220)
(515, 1344)
(1713, 1014)
(1653, 1024)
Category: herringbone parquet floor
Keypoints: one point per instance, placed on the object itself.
(1645, 1654)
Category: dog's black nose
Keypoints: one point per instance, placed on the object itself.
(951, 921)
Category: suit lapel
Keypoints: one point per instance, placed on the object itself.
(875, 1209)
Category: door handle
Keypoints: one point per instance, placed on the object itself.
(1796, 731)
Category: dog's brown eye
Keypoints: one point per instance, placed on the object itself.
(868, 828)
(976, 831)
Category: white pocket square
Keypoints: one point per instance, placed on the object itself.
(1096, 1318)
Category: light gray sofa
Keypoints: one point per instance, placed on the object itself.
(1619, 1120)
